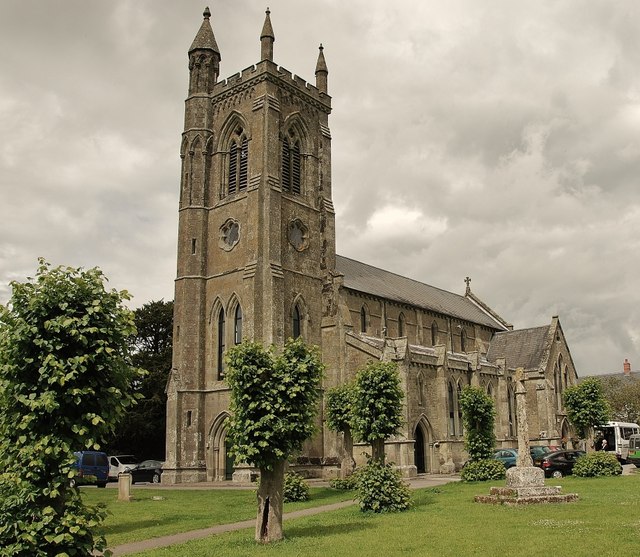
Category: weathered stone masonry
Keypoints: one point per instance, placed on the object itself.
(257, 260)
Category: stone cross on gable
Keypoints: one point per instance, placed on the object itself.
(468, 282)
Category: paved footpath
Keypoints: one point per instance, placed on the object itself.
(424, 480)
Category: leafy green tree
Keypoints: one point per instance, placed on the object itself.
(143, 429)
(339, 401)
(623, 395)
(376, 415)
(587, 407)
(65, 376)
(478, 418)
(377, 405)
(273, 406)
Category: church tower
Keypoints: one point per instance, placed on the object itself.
(256, 235)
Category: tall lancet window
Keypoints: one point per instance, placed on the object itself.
(297, 322)
(238, 165)
(237, 326)
(221, 344)
(291, 166)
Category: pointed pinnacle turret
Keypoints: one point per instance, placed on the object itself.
(321, 71)
(267, 38)
(204, 59)
(204, 39)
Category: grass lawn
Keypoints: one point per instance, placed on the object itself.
(445, 521)
(181, 510)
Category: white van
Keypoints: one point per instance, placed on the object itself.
(614, 437)
(120, 463)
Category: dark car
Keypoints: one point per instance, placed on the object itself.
(146, 471)
(558, 463)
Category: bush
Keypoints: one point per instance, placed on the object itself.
(597, 464)
(295, 488)
(381, 489)
(346, 484)
(483, 470)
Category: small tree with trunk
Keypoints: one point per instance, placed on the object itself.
(376, 414)
(273, 405)
(587, 408)
(338, 412)
(377, 405)
(65, 376)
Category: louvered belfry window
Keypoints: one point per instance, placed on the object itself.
(291, 167)
(238, 166)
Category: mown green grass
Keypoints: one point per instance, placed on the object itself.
(445, 521)
(181, 510)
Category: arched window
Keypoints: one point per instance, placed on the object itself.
(237, 325)
(401, 327)
(557, 383)
(291, 166)
(297, 330)
(420, 382)
(459, 408)
(452, 410)
(238, 165)
(363, 319)
(490, 389)
(434, 333)
(221, 345)
(463, 341)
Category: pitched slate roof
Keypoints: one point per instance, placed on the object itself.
(384, 284)
(523, 348)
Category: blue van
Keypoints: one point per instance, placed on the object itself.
(92, 468)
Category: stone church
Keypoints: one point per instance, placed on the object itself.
(257, 260)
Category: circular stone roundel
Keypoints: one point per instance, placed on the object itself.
(229, 234)
(298, 235)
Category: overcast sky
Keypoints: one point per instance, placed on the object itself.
(494, 139)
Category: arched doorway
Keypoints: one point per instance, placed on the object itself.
(419, 451)
(423, 446)
(219, 464)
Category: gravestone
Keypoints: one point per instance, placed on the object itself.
(124, 487)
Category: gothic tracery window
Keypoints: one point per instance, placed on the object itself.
(291, 165)
(238, 163)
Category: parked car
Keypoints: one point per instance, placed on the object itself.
(92, 468)
(147, 471)
(509, 457)
(121, 463)
(558, 463)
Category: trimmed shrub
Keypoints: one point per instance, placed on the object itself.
(595, 464)
(381, 489)
(483, 470)
(295, 488)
